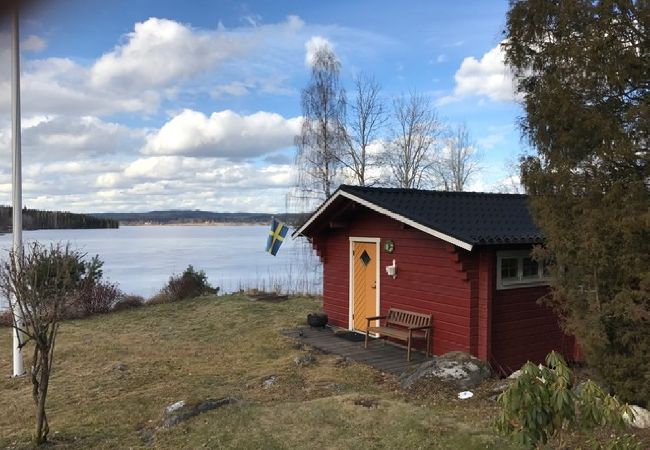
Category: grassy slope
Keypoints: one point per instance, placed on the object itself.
(226, 346)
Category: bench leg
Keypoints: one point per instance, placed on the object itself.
(365, 345)
(429, 351)
(408, 346)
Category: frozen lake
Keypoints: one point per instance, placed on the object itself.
(142, 258)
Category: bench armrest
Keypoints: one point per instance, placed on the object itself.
(420, 328)
(375, 318)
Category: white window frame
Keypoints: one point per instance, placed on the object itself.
(520, 282)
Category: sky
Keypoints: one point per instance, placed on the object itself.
(145, 105)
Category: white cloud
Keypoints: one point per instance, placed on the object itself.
(224, 134)
(488, 77)
(161, 51)
(313, 45)
(235, 88)
(75, 158)
(33, 43)
(48, 139)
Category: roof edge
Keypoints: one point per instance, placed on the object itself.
(430, 231)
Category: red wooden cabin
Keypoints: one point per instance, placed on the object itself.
(463, 257)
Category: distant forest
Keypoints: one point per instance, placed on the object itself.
(174, 217)
(35, 219)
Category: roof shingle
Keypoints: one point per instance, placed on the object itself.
(472, 217)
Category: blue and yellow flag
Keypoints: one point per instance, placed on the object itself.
(276, 237)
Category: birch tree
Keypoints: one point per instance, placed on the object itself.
(410, 154)
(322, 138)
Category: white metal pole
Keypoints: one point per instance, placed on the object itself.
(17, 224)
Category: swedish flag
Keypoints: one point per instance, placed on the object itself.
(276, 237)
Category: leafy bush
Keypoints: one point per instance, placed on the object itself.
(541, 404)
(189, 284)
(128, 302)
(94, 295)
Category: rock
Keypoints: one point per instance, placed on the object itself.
(514, 375)
(500, 388)
(458, 369)
(304, 360)
(367, 402)
(641, 417)
(180, 411)
(336, 387)
(341, 361)
(269, 382)
(171, 409)
(118, 367)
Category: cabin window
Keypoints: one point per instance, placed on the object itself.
(517, 269)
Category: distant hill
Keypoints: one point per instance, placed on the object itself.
(36, 219)
(173, 217)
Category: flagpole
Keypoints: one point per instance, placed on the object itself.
(16, 179)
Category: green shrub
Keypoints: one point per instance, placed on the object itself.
(541, 404)
(189, 284)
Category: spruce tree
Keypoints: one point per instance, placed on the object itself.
(583, 71)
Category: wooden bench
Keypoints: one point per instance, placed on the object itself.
(402, 325)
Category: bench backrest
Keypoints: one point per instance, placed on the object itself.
(407, 318)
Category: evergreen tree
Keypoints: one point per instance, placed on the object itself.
(583, 70)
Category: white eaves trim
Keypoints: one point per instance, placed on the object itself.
(392, 215)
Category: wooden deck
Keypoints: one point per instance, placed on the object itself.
(386, 357)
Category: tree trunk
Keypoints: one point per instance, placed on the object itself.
(42, 427)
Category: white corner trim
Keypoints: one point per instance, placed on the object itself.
(392, 215)
(318, 212)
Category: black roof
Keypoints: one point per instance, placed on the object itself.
(475, 218)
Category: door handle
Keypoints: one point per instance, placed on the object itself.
(374, 285)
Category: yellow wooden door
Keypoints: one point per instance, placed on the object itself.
(364, 302)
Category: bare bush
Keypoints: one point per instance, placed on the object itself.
(128, 302)
(41, 281)
(96, 297)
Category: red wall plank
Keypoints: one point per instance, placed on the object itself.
(523, 330)
(430, 278)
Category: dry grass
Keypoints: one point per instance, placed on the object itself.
(215, 347)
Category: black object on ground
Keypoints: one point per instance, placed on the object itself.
(352, 336)
(317, 319)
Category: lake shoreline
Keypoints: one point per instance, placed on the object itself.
(194, 224)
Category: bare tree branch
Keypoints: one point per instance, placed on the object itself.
(416, 132)
(458, 161)
(366, 118)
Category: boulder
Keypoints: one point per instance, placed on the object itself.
(641, 417)
(304, 360)
(458, 369)
(269, 382)
(180, 411)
